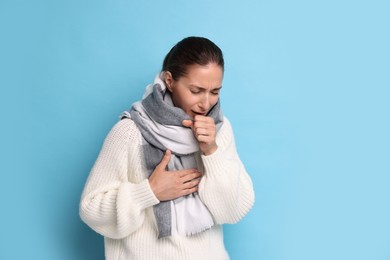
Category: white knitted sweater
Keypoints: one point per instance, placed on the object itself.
(117, 201)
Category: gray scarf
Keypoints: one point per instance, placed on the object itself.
(160, 123)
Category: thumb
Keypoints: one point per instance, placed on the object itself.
(164, 161)
(187, 123)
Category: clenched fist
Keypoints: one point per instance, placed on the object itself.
(205, 132)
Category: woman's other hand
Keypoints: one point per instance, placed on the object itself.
(168, 185)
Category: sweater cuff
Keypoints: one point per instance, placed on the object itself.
(214, 163)
(142, 194)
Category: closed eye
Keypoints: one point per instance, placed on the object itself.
(197, 90)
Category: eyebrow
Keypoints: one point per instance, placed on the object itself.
(195, 86)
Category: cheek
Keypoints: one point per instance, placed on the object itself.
(214, 100)
(191, 102)
(185, 101)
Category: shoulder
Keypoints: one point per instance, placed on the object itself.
(124, 129)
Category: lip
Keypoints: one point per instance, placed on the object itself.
(199, 114)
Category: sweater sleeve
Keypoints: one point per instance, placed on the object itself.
(111, 204)
(226, 188)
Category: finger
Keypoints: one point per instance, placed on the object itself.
(202, 131)
(189, 191)
(191, 184)
(187, 123)
(204, 124)
(204, 139)
(183, 173)
(190, 177)
(199, 118)
(164, 161)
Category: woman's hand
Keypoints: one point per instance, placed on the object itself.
(205, 132)
(168, 185)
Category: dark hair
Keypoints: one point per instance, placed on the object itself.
(189, 51)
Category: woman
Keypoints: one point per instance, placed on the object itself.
(168, 175)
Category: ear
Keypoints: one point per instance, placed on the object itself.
(168, 80)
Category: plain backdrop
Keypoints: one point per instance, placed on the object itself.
(306, 88)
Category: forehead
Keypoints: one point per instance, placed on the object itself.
(209, 75)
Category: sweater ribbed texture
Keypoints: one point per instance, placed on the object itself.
(117, 201)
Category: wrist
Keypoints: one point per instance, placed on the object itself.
(153, 188)
(211, 150)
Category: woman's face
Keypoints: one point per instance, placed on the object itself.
(198, 91)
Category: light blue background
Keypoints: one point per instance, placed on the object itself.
(306, 88)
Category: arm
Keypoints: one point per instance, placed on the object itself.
(226, 188)
(111, 204)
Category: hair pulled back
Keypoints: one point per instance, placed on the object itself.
(190, 51)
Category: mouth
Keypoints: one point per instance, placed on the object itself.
(200, 114)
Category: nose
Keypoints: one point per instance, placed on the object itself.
(204, 103)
